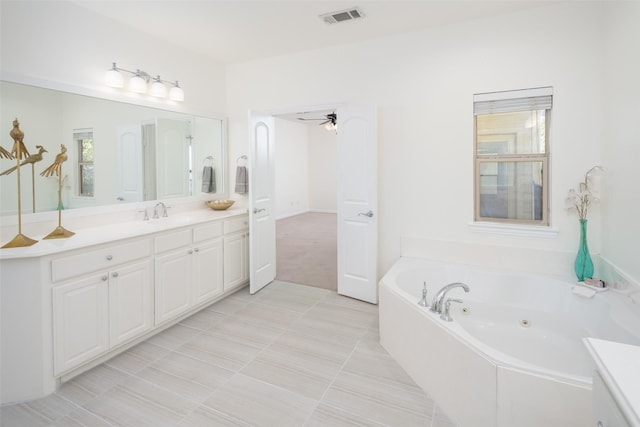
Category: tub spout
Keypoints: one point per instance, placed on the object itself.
(436, 306)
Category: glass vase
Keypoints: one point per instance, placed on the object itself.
(583, 264)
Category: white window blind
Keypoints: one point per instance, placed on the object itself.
(79, 134)
(513, 100)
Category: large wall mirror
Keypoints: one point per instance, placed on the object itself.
(117, 152)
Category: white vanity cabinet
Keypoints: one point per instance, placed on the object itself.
(188, 269)
(70, 304)
(605, 410)
(208, 263)
(95, 310)
(236, 252)
(616, 395)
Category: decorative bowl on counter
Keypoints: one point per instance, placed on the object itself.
(219, 205)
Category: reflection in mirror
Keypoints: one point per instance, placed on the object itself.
(118, 152)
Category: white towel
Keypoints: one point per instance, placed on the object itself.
(584, 292)
(208, 180)
(242, 180)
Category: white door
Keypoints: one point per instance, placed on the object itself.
(130, 187)
(357, 203)
(173, 141)
(262, 224)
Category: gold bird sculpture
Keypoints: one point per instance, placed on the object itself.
(32, 159)
(55, 167)
(19, 150)
(5, 154)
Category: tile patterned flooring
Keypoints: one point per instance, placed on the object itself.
(291, 355)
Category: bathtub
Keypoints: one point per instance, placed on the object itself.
(513, 354)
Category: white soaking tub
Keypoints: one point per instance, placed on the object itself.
(513, 354)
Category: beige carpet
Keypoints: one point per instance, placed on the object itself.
(307, 250)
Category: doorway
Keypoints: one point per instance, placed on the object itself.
(356, 201)
(305, 194)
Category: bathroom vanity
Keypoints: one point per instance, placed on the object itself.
(616, 383)
(70, 304)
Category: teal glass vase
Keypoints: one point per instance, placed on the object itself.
(583, 264)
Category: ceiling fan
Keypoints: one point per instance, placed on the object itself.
(328, 118)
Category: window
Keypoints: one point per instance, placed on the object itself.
(84, 142)
(511, 151)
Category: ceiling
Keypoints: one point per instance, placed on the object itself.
(239, 31)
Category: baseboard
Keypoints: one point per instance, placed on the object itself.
(289, 215)
(323, 211)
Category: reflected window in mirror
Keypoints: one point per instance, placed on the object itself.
(86, 179)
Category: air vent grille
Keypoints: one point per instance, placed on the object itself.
(342, 15)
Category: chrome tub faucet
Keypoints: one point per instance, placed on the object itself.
(436, 306)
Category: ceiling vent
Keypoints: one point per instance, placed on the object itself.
(342, 15)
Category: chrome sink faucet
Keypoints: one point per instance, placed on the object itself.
(436, 306)
(164, 210)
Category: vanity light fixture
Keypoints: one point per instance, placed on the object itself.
(139, 83)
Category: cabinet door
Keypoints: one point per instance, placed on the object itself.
(235, 260)
(173, 279)
(207, 270)
(130, 302)
(605, 409)
(80, 321)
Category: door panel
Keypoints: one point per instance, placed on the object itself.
(130, 302)
(357, 203)
(130, 185)
(174, 157)
(262, 246)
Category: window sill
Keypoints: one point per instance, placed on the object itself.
(514, 229)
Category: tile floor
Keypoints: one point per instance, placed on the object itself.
(290, 355)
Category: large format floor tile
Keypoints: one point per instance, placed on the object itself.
(290, 355)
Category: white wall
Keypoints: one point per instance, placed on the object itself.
(306, 169)
(323, 169)
(60, 45)
(621, 137)
(291, 177)
(422, 84)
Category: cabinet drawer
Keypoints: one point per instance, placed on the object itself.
(207, 231)
(237, 224)
(98, 259)
(172, 240)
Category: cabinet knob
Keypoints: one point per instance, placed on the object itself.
(114, 274)
(197, 249)
(190, 251)
(600, 424)
(104, 278)
(109, 257)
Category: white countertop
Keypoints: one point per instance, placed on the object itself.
(115, 231)
(619, 366)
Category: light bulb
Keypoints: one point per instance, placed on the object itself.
(176, 93)
(113, 77)
(158, 89)
(137, 84)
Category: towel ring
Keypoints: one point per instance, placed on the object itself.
(241, 158)
(210, 158)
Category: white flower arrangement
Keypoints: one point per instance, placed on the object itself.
(579, 200)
